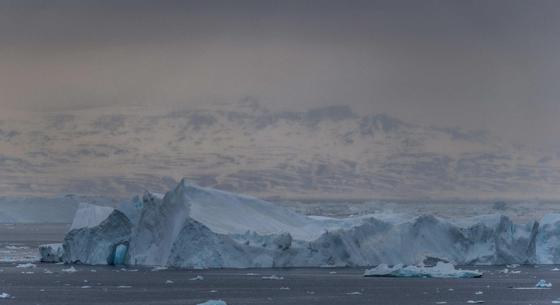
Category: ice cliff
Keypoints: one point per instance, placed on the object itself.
(196, 227)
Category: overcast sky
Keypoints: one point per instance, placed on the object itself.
(477, 64)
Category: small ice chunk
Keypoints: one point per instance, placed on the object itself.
(441, 302)
(543, 284)
(272, 277)
(512, 266)
(197, 278)
(85, 287)
(440, 270)
(555, 269)
(26, 265)
(4, 295)
(169, 282)
(354, 293)
(478, 292)
(124, 287)
(475, 302)
(70, 270)
(159, 268)
(213, 302)
(284, 288)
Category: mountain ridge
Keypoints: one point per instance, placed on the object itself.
(327, 152)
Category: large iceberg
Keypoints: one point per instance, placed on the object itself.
(440, 270)
(196, 227)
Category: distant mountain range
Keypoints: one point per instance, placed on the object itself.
(330, 152)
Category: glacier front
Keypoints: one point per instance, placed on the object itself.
(197, 227)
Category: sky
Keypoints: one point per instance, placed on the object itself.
(490, 65)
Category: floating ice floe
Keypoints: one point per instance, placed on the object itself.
(169, 282)
(4, 295)
(272, 277)
(440, 270)
(26, 265)
(213, 302)
(159, 268)
(475, 302)
(70, 270)
(197, 278)
(543, 284)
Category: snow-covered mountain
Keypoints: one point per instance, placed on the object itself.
(330, 152)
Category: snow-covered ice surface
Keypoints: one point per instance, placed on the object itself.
(196, 227)
(440, 270)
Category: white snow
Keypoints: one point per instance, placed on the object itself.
(441, 270)
(89, 215)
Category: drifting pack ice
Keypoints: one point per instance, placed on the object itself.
(196, 227)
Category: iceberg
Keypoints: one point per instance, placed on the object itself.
(196, 227)
(51, 253)
(543, 284)
(440, 270)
